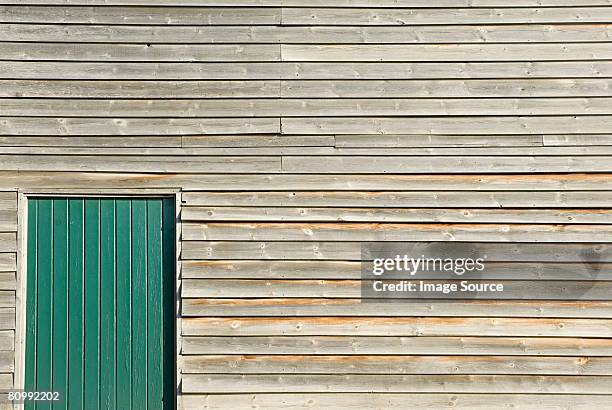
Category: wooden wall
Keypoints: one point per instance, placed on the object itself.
(298, 129)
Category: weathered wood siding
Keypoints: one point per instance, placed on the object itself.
(297, 129)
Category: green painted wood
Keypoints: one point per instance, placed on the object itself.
(139, 310)
(108, 333)
(60, 300)
(100, 302)
(154, 298)
(124, 301)
(75, 296)
(92, 304)
(168, 264)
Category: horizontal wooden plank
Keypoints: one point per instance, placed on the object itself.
(128, 148)
(138, 89)
(8, 243)
(420, 345)
(198, 151)
(536, 87)
(7, 340)
(459, 151)
(91, 142)
(318, 182)
(471, 141)
(140, 15)
(448, 164)
(399, 199)
(7, 361)
(7, 282)
(574, 140)
(447, 215)
(283, 270)
(8, 200)
(135, 126)
(295, 288)
(371, 401)
(355, 307)
(349, 144)
(389, 364)
(244, 141)
(406, 16)
(328, 3)
(8, 221)
(442, 125)
(16, 158)
(307, 71)
(374, 232)
(160, 164)
(496, 252)
(8, 261)
(396, 326)
(7, 318)
(6, 381)
(428, 164)
(553, 33)
(8, 212)
(207, 383)
(7, 302)
(147, 52)
(444, 52)
(303, 107)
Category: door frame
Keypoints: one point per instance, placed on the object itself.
(22, 235)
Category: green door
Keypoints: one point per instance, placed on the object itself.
(100, 302)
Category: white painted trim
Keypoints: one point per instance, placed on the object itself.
(178, 321)
(20, 291)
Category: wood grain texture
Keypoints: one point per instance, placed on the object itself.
(446, 215)
(318, 182)
(137, 164)
(8, 212)
(140, 15)
(336, 250)
(332, 3)
(513, 289)
(296, 130)
(140, 52)
(8, 242)
(139, 89)
(135, 126)
(193, 383)
(8, 262)
(398, 199)
(404, 16)
(393, 88)
(282, 270)
(518, 33)
(50, 70)
(455, 52)
(371, 401)
(397, 326)
(304, 107)
(439, 125)
(95, 142)
(381, 232)
(274, 307)
(389, 364)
